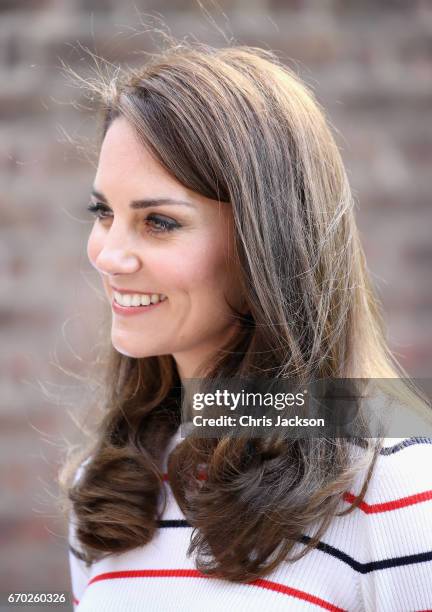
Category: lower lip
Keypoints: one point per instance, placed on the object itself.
(133, 310)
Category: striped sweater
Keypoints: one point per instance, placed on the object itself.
(376, 558)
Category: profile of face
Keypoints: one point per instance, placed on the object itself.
(180, 251)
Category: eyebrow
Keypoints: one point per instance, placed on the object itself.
(146, 203)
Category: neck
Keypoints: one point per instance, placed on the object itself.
(190, 362)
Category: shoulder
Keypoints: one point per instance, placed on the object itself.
(395, 522)
(399, 493)
(402, 469)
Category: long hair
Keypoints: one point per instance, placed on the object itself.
(235, 125)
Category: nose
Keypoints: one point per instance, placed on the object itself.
(114, 251)
(116, 261)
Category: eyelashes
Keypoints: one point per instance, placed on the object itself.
(98, 209)
(157, 223)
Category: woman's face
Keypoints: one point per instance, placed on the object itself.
(181, 251)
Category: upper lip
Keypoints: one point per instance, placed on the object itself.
(132, 291)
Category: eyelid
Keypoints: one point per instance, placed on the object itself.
(93, 204)
(98, 205)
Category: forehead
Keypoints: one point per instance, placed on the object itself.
(125, 161)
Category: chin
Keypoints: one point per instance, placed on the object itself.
(122, 351)
(133, 351)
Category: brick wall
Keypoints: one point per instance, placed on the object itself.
(370, 64)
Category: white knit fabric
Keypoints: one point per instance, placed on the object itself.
(377, 558)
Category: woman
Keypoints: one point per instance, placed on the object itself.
(227, 246)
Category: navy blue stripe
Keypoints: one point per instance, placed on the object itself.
(76, 553)
(371, 566)
(404, 444)
(174, 523)
(362, 568)
(390, 450)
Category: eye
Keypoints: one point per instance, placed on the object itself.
(156, 223)
(99, 210)
(161, 224)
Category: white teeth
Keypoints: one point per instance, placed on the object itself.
(138, 299)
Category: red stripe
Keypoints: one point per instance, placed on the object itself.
(75, 601)
(282, 588)
(191, 573)
(390, 505)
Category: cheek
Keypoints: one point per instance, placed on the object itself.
(202, 266)
(213, 265)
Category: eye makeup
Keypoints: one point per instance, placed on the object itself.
(157, 223)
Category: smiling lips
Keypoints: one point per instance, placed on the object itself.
(131, 304)
(138, 299)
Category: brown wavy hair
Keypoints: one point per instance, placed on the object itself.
(236, 125)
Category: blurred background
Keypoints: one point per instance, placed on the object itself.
(370, 66)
